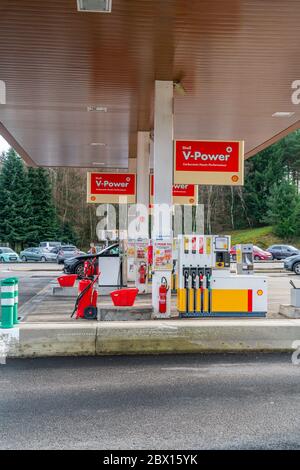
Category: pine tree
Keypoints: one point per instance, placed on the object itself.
(14, 204)
(67, 234)
(43, 218)
(282, 206)
(262, 172)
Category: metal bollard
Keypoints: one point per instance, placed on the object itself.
(7, 303)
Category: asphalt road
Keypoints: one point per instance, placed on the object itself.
(33, 277)
(163, 402)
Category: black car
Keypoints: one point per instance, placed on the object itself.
(283, 251)
(293, 264)
(76, 265)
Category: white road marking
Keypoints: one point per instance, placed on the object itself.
(183, 368)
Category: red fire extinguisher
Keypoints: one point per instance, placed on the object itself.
(90, 268)
(163, 290)
(142, 273)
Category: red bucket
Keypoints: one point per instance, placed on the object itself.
(67, 281)
(124, 297)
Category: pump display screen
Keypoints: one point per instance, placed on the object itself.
(221, 243)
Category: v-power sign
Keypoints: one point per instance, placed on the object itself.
(209, 162)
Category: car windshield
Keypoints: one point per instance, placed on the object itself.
(7, 250)
(68, 248)
(256, 248)
(114, 250)
(290, 247)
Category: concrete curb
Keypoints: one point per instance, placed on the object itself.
(289, 311)
(155, 337)
(193, 336)
(54, 339)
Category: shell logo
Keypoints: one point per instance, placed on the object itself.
(93, 198)
(234, 178)
(260, 292)
(191, 200)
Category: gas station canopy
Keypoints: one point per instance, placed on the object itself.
(80, 85)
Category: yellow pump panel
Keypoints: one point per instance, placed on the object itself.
(229, 300)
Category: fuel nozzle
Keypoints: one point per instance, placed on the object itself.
(186, 273)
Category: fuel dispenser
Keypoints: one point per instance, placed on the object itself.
(206, 286)
(244, 259)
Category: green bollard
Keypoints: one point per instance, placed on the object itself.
(16, 298)
(7, 303)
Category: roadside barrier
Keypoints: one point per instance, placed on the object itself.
(9, 302)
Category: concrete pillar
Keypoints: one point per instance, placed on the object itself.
(163, 181)
(143, 168)
(163, 156)
(142, 208)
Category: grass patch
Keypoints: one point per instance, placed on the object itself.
(262, 237)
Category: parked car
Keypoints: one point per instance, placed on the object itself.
(76, 265)
(49, 245)
(66, 251)
(7, 255)
(292, 263)
(283, 251)
(37, 254)
(258, 254)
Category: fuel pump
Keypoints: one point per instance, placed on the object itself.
(201, 287)
(209, 289)
(244, 258)
(193, 288)
(206, 286)
(186, 276)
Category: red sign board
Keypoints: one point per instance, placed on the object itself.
(208, 162)
(109, 187)
(188, 192)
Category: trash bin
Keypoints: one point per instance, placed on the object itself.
(295, 297)
(124, 297)
(67, 281)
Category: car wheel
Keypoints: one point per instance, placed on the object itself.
(79, 270)
(296, 268)
(24, 259)
(43, 259)
(257, 258)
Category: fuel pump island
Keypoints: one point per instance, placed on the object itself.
(204, 285)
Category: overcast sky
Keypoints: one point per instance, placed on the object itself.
(3, 144)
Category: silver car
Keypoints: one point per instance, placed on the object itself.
(37, 254)
(65, 252)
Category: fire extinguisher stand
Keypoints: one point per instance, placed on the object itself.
(161, 281)
(142, 277)
(141, 265)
